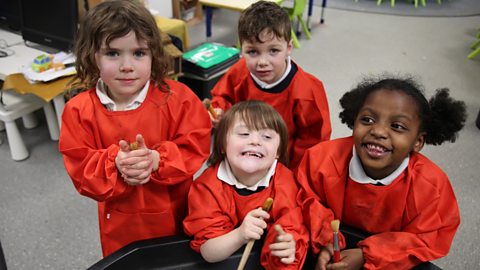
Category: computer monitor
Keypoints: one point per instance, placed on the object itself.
(51, 23)
(10, 14)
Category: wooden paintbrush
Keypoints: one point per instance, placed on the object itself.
(248, 248)
(212, 111)
(336, 248)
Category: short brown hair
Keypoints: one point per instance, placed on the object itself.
(263, 15)
(256, 115)
(110, 20)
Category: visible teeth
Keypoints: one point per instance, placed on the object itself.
(376, 148)
(253, 154)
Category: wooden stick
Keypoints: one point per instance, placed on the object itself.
(212, 112)
(248, 248)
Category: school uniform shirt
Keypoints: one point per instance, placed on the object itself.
(413, 218)
(217, 207)
(299, 98)
(175, 124)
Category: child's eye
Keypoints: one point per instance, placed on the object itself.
(274, 51)
(366, 119)
(111, 53)
(398, 127)
(139, 53)
(251, 52)
(268, 137)
(243, 134)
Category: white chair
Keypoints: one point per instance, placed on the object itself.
(16, 106)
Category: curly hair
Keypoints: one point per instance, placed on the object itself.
(110, 20)
(264, 15)
(256, 115)
(441, 117)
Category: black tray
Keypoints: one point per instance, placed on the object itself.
(174, 252)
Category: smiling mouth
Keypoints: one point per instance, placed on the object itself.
(375, 150)
(252, 154)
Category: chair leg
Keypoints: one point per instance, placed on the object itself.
(296, 44)
(51, 121)
(30, 121)
(423, 3)
(475, 45)
(18, 150)
(379, 2)
(474, 53)
(305, 28)
(392, 3)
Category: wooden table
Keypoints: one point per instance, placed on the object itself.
(10, 68)
(48, 91)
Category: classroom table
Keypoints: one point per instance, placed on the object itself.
(240, 5)
(48, 91)
(235, 5)
(10, 68)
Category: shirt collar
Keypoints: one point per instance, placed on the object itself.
(268, 86)
(225, 174)
(357, 173)
(101, 91)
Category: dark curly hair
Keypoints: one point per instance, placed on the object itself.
(263, 15)
(441, 117)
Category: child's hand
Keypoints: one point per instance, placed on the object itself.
(253, 224)
(326, 253)
(284, 246)
(215, 113)
(352, 259)
(215, 120)
(136, 165)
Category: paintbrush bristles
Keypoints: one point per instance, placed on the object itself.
(267, 204)
(335, 225)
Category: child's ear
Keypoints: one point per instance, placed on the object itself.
(290, 47)
(420, 142)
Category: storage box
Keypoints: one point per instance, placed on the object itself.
(201, 86)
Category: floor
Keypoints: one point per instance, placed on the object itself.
(46, 224)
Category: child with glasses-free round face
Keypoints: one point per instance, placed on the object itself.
(248, 166)
(132, 138)
(377, 181)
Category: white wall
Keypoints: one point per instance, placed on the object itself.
(164, 7)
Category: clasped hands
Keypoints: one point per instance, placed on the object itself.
(136, 165)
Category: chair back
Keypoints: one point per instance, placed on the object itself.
(298, 7)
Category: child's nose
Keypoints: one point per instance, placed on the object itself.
(262, 61)
(126, 65)
(255, 139)
(379, 131)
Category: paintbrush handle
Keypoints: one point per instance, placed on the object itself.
(212, 112)
(246, 253)
(336, 248)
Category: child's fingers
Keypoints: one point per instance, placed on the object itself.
(323, 259)
(285, 250)
(141, 141)
(124, 146)
(278, 228)
(288, 260)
